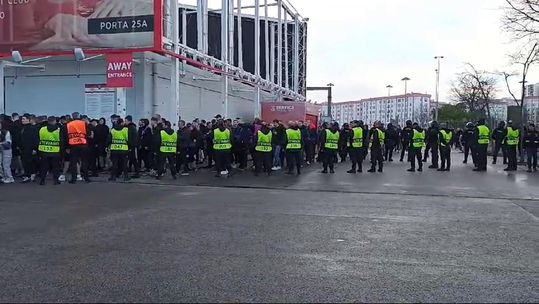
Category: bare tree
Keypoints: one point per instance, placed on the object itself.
(521, 18)
(475, 89)
(528, 56)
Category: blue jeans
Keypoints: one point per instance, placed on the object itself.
(277, 156)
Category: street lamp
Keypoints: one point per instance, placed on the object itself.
(389, 87)
(406, 79)
(439, 58)
(330, 97)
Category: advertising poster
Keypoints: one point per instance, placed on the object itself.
(283, 111)
(99, 101)
(61, 25)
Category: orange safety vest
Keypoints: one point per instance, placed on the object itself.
(76, 132)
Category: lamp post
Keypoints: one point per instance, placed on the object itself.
(406, 79)
(389, 87)
(439, 58)
(330, 97)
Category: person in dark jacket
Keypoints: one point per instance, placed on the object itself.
(145, 150)
(168, 155)
(432, 144)
(311, 141)
(391, 141)
(376, 146)
(49, 157)
(263, 152)
(468, 143)
(344, 139)
(531, 144)
(329, 148)
(498, 136)
(184, 142)
(101, 133)
(28, 144)
(405, 139)
(133, 134)
(279, 137)
(415, 147)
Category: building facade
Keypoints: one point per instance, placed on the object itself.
(532, 90)
(395, 109)
(531, 106)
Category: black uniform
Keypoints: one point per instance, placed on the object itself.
(28, 144)
(162, 157)
(376, 146)
(414, 153)
(405, 136)
(392, 139)
(432, 145)
(531, 144)
(50, 162)
(469, 142)
(119, 158)
(498, 135)
(445, 150)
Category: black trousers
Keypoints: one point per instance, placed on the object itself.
(162, 159)
(240, 155)
(78, 154)
(92, 159)
(145, 156)
(309, 152)
(181, 160)
(211, 155)
(222, 160)
(481, 155)
(497, 147)
(388, 152)
(49, 163)
(263, 160)
(405, 148)
(445, 156)
(415, 154)
(377, 158)
(133, 160)
(356, 155)
(469, 150)
(329, 157)
(433, 147)
(28, 163)
(512, 157)
(293, 159)
(532, 157)
(119, 164)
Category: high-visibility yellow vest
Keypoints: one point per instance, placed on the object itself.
(49, 142)
(418, 141)
(221, 140)
(332, 140)
(293, 139)
(512, 136)
(447, 136)
(169, 142)
(381, 137)
(264, 142)
(484, 135)
(119, 140)
(357, 140)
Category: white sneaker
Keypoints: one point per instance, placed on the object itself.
(79, 178)
(62, 178)
(32, 177)
(25, 179)
(274, 169)
(279, 168)
(8, 181)
(224, 172)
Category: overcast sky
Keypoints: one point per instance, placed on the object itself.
(363, 45)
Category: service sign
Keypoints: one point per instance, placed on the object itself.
(283, 111)
(120, 70)
(62, 25)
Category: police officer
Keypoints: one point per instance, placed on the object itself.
(168, 150)
(405, 136)
(498, 136)
(531, 143)
(222, 146)
(482, 136)
(512, 141)
(294, 145)
(376, 143)
(329, 145)
(445, 141)
(469, 142)
(356, 147)
(119, 146)
(50, 149)
(432, 144)
(417, 143)
(263, 150)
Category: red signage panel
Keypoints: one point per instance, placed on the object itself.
(120, 70)
(283, 111)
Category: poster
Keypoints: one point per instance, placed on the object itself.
(283, 111)
(60, 25)
(120, 70)
(99, 101)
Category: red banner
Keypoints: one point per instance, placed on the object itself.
(120, 70)
(283, 111)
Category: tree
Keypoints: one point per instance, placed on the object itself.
(521, 19)
(456, 115)
(474, 89)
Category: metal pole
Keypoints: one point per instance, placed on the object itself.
(330, 99)
(280, 43)
(272, 55)
(2, 88)
(439, 58)
(205, 26)
(296, 54)
(175, 77)
(257, 56)
(240, 38)
(231, 29)
(200, 25)
(285, 34)
(121, 102)
(267, 39)
(224, 53)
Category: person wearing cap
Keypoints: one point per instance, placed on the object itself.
(51, 145)
(376, 144)
(417, 143)
(294, 145)
(512, 141)
(445, 140)
(482, 139)
(498, 136)
(356, 142)
(329, 144)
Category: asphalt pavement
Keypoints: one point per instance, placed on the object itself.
(456, 236)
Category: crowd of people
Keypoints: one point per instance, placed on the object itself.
(76, 148)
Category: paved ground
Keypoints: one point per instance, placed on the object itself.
(394, 237)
